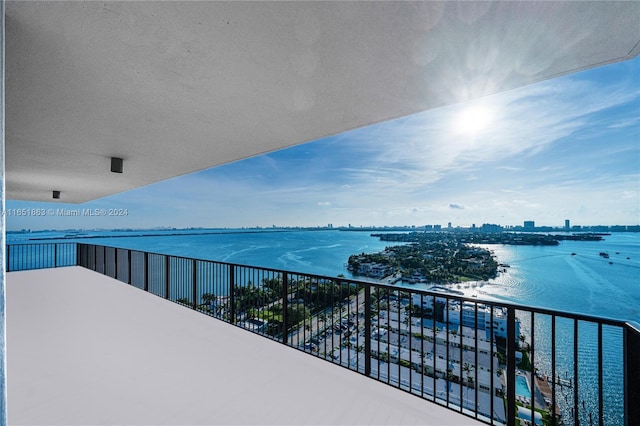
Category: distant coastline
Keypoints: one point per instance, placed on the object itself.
(141, 233)
(485, 229)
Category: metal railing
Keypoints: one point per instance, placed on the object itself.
(499, 363)
(38, 256)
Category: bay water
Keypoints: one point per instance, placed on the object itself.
(571, 277)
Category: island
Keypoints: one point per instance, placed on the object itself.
(445, 257)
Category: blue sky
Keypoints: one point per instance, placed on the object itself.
(567, 148)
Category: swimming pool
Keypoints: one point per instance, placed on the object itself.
(522, 387)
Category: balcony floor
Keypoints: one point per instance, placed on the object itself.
(85, 349)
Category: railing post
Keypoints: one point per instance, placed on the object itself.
(146, 271)
(55, 255)
(232, 297)
(166, 277)
(511, 366)
(554, 418)
(575, 373)
(129, 280)
(367, 330)
(194, 266)
(115, 263)
(631, 375)
(8, 262)
(600, 378)
(285, 307)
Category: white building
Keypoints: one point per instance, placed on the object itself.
(469, 314)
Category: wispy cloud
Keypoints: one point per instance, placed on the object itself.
(565, 148)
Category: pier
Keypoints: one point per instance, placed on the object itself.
(542, 381)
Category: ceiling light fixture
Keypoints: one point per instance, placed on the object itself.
(116, 165)
(56, 195)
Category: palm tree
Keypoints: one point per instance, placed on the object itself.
(450, 375)
(406, 320)
(467, 369)
(207, 298)
(208, 301)
(522, 339)
(423, 355)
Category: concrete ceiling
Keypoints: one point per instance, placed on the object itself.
(176, 87)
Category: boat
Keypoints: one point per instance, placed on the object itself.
(604, 254)
(573, 254)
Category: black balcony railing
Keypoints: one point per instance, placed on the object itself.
(496, 362)
(38, 256)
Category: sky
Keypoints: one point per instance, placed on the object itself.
(567, 148)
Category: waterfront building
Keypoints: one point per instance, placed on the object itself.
(488, 227)
(468, 314)
(419, 361)
(373, 270)
(492, 322)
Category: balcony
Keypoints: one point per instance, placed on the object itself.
(85, 349)
(92, 348)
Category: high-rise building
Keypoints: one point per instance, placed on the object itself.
(567, 224)
(529, 224)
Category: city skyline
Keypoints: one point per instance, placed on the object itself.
(525, 226)
(567, 148)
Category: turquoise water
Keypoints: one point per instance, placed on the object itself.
(548, 276)
(522, 388)
(570, 277)
(585, 283)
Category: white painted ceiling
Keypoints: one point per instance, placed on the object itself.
(176, 87)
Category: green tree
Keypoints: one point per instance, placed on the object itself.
(274, 285)
(207, 298)
(467, 368)
(296, 313)
(184, 301)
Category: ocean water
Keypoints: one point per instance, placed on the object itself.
(570, 277)
(586, 283)
(539, 276)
